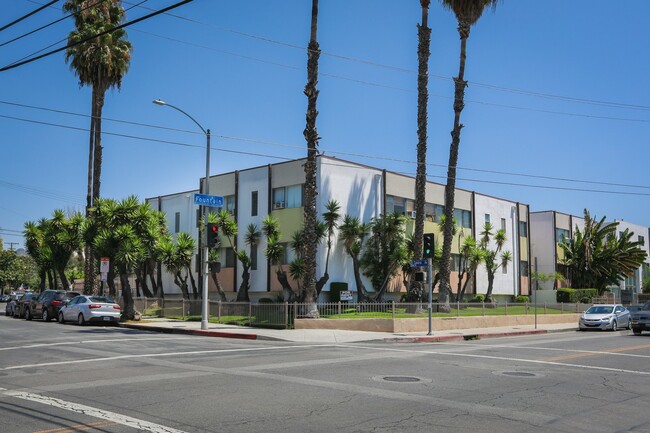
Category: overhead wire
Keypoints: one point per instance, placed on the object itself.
(35, 11)
(240, 152)
(118, 27)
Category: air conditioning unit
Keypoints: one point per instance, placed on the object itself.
(411, 213)
(279, 205)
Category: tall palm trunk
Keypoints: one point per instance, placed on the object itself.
(311, 136)
(89, 253)
(448, 229)
(424, 43)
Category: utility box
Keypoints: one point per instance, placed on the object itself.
(338, 289)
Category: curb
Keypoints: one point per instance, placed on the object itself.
(199, 332)
(465, 337)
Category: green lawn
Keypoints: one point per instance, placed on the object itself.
(400, 313)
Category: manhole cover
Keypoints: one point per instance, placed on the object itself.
(401, 379)
(518, 373)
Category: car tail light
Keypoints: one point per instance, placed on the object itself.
(117, 307)
(57, 303)
(92, 306)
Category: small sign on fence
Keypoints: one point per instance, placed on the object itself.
(345, 295)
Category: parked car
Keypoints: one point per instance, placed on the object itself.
(11, 307)
(641, 319)
(22, 305)
(605, 316)
(47, 304)
(4, 298)
(84, 309)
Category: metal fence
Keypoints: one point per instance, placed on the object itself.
(283, 315)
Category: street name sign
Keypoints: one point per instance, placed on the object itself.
(208, 200)
(419, 263)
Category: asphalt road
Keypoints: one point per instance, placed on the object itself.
(65, 378)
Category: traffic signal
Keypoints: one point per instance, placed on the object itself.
(428, 247)
(213, 235)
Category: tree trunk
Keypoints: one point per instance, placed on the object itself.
(321, 283)
(43, 276)
(362, 293)
(244, 287)
(448, 229)
(488, 295)
(89, 254)
(311, 136)
(182, 284)
(193, 282)
(287, 292)
(110, 279)
(50, 281)
(64, 280)
(142, 272)
(424, 43)
(217, 283)
(128, 312)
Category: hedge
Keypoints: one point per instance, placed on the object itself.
(573, 296)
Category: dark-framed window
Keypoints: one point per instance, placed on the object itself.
(254, 203)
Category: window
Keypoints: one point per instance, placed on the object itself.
(523, 229)
(229, 204)
(455, 262)
(463, 218)
(254, 257)
(487, 218)
(285, 257)
(562, 235)
(641, 240)
(231, 258)
(288, 197)
(523, 268)
(503, 224)
(438, 212)
(177, 222)
(254, 203)
(395, 204)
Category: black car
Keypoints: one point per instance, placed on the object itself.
(22, 305)
(48, 303)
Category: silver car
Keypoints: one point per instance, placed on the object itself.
(606, 316)
(86, 309)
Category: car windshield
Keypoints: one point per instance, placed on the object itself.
(103, 299)
(600, 310)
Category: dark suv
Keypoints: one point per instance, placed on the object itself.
(47, 305)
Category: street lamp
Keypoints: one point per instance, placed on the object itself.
(204, 304)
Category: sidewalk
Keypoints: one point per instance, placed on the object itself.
(338, 336)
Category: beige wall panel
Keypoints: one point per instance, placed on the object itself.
(289, 173)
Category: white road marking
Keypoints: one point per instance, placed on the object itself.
(68, 343)
(117, 418)
(156, 355)
(502, 358)
(546, 349)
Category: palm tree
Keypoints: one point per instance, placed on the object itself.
(424, 43)
(63, 236)
(311, 136)
(100, 63)
(491, 258)
(467, 14)
(177, 258)
(353, 234)
(330, 223)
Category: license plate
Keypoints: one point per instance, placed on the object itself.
(106, 318)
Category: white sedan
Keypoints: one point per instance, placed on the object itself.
(85, 309)
(608, 316)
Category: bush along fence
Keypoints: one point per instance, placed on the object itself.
(283, 315)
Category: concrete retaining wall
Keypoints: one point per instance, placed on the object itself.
(438, 323)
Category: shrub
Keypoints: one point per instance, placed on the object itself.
(478, 298)
(522, 299)
(573, 296)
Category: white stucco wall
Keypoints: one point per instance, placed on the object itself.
(504, 283)
(358, 190)
(638, 230)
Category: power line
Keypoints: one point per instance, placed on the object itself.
(239, 152)
(121, 26)
(251, 140)
(35, 11)
(412, 71)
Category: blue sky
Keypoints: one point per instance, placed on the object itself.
(558, 90)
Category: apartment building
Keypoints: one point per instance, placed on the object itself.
(364, 192)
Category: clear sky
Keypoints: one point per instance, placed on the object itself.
(557, 109)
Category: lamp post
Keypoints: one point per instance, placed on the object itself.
(204, 303)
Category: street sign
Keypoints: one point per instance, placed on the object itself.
(208, 200)
(419, 263)
(104, 264)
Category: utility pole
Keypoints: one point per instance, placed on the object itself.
(11, 245)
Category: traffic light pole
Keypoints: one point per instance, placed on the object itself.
(204, 303)
(430, 284)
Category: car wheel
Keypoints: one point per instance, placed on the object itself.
(46, 316)
(28, 314)
(614, 326)
(80, 320)
(61, 320)
(636, 331)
